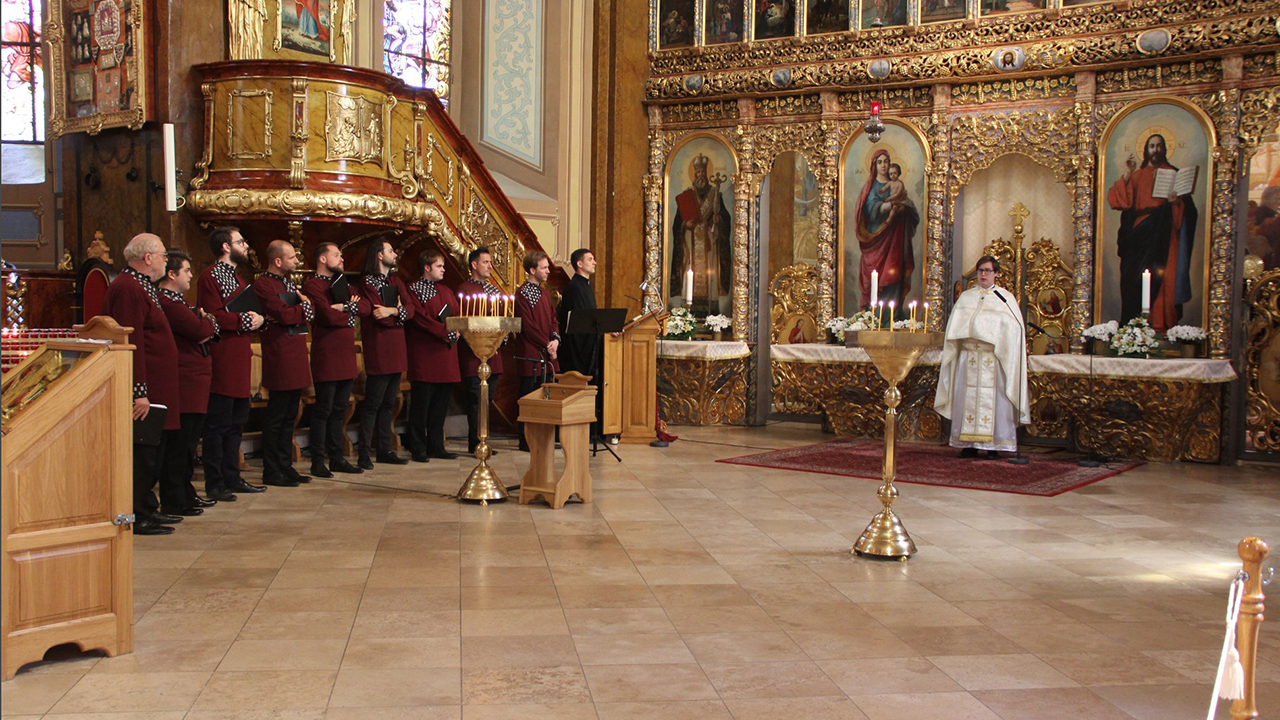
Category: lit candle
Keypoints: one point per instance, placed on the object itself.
(688, 288)
(879, 314)
(462, 304)
(170, 170)
(1146, 291)
(875, 286)
(913, 315)
(926, 316)
(891, 303)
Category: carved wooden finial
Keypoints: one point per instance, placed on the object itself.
(1253, 550)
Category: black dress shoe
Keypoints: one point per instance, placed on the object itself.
(993, 455)
(297, 477)
(392, 459)
(969, 453)
(241, 486)
(147, 526)
(184, 512)
(165, 519)
(220, 495)
(342, 466)
(366, 463)
(320, 471)
(202, 503)
(445, 455)
(421, 457)
(280, 482)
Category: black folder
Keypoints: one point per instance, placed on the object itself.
(595, 322)
(246, 301)
(390, 297)
(147, 431)
(289, 298)
(340, 290)
(444, 313)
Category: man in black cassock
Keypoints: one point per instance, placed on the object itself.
(576, 350)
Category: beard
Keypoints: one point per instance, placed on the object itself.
(239, 257)
(700, 184)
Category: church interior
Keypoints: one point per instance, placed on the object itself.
(929, 365)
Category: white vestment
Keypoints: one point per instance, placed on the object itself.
(984, 372)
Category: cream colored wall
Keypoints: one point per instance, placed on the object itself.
(990, 195)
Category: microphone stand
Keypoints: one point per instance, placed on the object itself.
(1093, 459)
(1017, 459)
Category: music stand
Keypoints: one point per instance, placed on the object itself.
(597, 322)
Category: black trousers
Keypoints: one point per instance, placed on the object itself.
(277, 433)
(192, 429)
(327, 429)
(380, 393)
(147, 465)
(473, 407)
(176, 492)
(428, 406)
(223, 426)
(529, 383)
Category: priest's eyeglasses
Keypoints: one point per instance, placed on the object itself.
(985, 270)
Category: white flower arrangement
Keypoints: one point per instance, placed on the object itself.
(680, 324)
(1103, 332)
(1185, 334)
(1136, 338)
(908, 325)
(719, 323)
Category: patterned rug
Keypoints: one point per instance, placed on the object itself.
(1047, 474)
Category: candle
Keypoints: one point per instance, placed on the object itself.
(879, 313)
(688, 288)
(462, 304)
(1146, 291)
(875, 286)
(891, 303)
(926, 316)
(913, 315)
(170, 170)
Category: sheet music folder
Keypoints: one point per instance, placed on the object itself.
(147, 430)
(595, 322)
(246, 301)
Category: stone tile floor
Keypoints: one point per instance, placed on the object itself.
(688, 589)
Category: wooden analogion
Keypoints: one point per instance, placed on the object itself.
(568, 404)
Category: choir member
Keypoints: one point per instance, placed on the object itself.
(385, 360)
(578, 349)
(433, 359)
(333, 361)
(480, 263)
(133, 300)
(285, 369)
(539, 337)
(232, 359)
(193, 331)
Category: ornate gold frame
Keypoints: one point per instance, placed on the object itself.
(928, 258)
(1211, 138)
(137, 65)
(238, 95)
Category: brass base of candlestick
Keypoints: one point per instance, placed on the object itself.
(482, 485)
(484, 335)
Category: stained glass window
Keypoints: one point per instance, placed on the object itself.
(22, 92)
(416, 42)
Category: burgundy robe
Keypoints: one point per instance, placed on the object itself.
(195, 368)
(133, 301)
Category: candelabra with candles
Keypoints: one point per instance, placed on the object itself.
(894, 353)
(484, 321)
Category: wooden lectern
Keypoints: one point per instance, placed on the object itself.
(67, 482)
(570, 404)
(631, 380)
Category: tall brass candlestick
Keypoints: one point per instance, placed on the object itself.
(894, 354)
(484, 335)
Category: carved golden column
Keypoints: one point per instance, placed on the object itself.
(938, 242)
(745, 186)
(1083, 208)
(828, 176)
(1252, 551)
(652, 184)
(298, 136)
(1222, 247)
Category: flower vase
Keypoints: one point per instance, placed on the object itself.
(1102, 347)
(1190, 349)
(717, 336)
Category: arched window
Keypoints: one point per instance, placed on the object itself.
(416, 40)
(22, 93)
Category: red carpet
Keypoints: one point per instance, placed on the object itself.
(938, 465)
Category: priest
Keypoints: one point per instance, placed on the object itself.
(982, 385)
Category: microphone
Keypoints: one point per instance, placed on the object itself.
(999, 296)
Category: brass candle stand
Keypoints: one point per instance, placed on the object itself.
(894, 353)
(484, 335)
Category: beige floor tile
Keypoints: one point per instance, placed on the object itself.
(327, 599)
(772, 595)
(618, 621)
(721, 619)
(1050, 704)
(1001, 672)
(312, 625)
(1066, 637)
(702, 596)
(249, 655)
(924, 706)
(886, 592)
(1158, 635)
(642, 649)
(809, 708)
(685, 575)
(207, 600)
(397, 687)
(417, 712)
(311, 577)
(34, 694)
(414, 577)
(410, 599)
(607, 575)
(524, 685)
(606, 596)
(581, 711)
(132, 692)
(489, 651)
(879, 676)
(770, 680)
(513, 622)
(266, 690)
(744, 647)
(680, 710)
(1123, 668)
(1160, 702)
(501, 597)
(226, 578)
(845, 617)
(417, 653)
(648, 683)
(853, 643)
(505, 576)
(167, 656)
(918, 614)
(377, 624)
(963, 640)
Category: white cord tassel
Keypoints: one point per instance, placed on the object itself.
(1229, 682)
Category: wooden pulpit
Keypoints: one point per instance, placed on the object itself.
(631, 380)
(569, 404)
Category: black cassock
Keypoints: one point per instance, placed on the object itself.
(576, 350)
